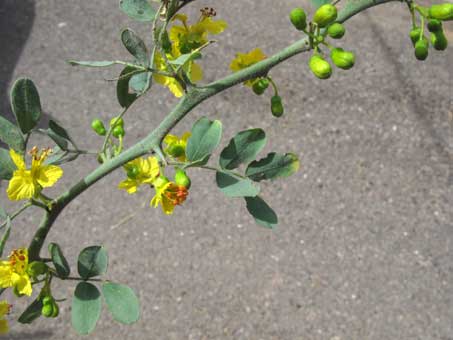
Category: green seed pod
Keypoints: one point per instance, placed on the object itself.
(166, 43)
(56, 310)
(298, 18)
(47, 310)
(434, 25)
(37, 268)
(415, 34)
(336, 30)
(441, 12)
(325, 15)
(98, 126)
(320, 67)
(421, 49)
(117, 121)
(118, 131)
(277, 108)
(439, 40)
(182, 179)
(47, 300)
(160, 181)
(132, 172)
(175, 150)
(342, 59)
(260, 86)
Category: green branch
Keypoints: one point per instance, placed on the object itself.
(194, 96)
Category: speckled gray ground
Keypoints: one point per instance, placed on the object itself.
(364, 249)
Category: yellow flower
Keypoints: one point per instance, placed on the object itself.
(176, 147)
(187, 38)
(4, 309)
(193, 71)
(169, 195)
(13, 273)
(28, 183)
(244, 60)
(140, 171)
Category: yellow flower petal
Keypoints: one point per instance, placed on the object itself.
(4, 328)
(22, 283)
(21, 186)
(4, 308)
(195, 72)
(211, 26)
(5, 274)
(129, 185)
(167, 205)
(48, 175)
(169, 139)
(17, 159)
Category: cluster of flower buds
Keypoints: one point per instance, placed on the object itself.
(324, 24)
(433, 16)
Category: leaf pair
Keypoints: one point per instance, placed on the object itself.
(121, 301)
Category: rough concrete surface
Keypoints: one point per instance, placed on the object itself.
(364, 248)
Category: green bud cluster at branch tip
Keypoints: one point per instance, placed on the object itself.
(433, 17)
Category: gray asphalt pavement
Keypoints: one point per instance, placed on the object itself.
(364, 248)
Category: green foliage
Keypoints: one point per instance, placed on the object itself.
(205, 138)
(121, 302)
(261, 211)
(273, 166)
(91, 63)
(11, 135)
(92, 262)
(7, 231)
(139, 10)
(243, 148)
(59, 261)
(234, 186)
(135, 45)
(86, 307)
(58, 134)
(32, 312)
(319, 3)
(26, 104)
(7, 166)
(125, 98)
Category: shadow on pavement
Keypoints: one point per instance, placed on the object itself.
(26, 336)
(16, 21)
(421, 111)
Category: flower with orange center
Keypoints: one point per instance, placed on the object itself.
(168, 194)
(13, 273)
(28, 183)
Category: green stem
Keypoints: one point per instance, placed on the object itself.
(16, 213)
(192, 98)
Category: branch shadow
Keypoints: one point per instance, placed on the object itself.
(30, 335)
(418, 105)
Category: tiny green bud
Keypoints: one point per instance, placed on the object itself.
(277, 108)
(441, 12)
(47, 300)
(336, 30)
(175, 150)
(47, 310)
(298, 18)
(160, 181)
(434, 25)
(439, 40)
(117, 121)
(132, 172)
(320, 67)
(415, 34)
(342, 59)
(182, 179)
(260, 86)
(37, 268)
(325, 15)
(56, 310)
(421, 49)
(118, 131)
(98, 126)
